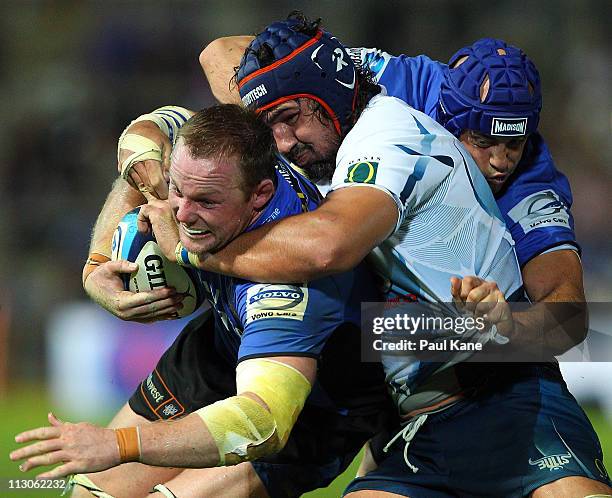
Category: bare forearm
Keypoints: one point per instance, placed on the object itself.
(559, 319)
(182, 443)
(551, 327)
(121, 199)
(283, 252)
(219, 60)
(331, 239)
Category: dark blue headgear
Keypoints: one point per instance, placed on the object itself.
(513, 103)
(316, 67)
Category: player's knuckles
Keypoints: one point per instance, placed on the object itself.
(475, 295)
(471, 281)
(46, 459)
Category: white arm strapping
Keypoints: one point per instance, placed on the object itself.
(168, 119)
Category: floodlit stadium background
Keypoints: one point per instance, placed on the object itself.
(74, 73)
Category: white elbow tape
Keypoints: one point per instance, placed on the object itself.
(163, 489)
(168, 119)
(85, 482)
(243, 428)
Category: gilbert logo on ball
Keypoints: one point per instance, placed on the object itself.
(154, 269)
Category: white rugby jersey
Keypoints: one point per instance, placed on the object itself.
(448, 223)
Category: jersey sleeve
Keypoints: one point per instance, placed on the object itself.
(415, 80)
(537, 205)
(288, 320)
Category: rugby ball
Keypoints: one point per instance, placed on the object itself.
(154, 269)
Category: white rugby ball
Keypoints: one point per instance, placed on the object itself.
(154, 269)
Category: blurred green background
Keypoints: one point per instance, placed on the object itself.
(29, 404)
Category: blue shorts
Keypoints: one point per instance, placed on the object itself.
(516, 434)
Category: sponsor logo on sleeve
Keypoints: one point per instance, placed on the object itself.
(508, 127)
(540, 210)
(276, 301)
(552, 462)
(362, 172)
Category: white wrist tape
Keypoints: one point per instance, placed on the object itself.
(168, 119)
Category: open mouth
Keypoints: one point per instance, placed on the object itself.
(194, 232)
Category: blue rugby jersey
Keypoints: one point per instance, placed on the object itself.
(535, 202)
(260, 320)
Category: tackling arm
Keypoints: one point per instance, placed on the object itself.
(554, 277)
(331, 239)
(219, 60)
(558, 319)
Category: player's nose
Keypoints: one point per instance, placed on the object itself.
(284, 137)
(500, 158)
(184, 211)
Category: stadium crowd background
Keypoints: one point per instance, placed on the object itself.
(74, 73)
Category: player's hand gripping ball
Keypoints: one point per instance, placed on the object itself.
(154, 269)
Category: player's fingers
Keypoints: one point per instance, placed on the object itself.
(467, 284)
(159, 309)
(455, 288)
(53, 420)
(36, 449)
(142, 220)
(146, 174)
(170, 313)
(157, 180)
(131, 300)
(40, 460)
(37, 434)
(166, 154)
(500, 311)
(62, 471)
(480, 293)
(134, 178)
(131, 305)
(120, 266)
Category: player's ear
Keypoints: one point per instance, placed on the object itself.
(262, 193)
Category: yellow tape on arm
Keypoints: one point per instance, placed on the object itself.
(282, 388)
(243, 429)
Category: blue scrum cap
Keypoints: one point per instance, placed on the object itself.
(317, 67)
(511, 106)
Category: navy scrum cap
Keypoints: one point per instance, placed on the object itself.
(317, 67)
(511, 106)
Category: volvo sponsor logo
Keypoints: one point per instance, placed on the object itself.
(508, 127)
(552, 462)
(253, 95)
(276, 301)
(284, 297)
